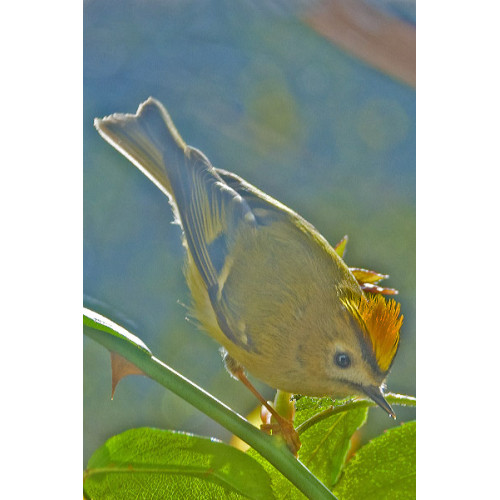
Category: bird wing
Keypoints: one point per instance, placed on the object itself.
(212, 205)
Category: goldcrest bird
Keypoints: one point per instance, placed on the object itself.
(265, 284)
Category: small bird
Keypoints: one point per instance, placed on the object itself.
(265, 284)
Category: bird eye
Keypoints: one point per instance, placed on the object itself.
(342, 359)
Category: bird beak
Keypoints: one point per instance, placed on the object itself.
(376, 395)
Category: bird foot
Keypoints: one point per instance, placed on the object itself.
(281, 427)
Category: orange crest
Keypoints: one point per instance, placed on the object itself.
(383, 321)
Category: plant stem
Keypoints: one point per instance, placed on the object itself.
(115, 340)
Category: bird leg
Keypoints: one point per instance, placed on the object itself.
(283, 426)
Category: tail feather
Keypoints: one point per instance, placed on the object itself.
(145, 138)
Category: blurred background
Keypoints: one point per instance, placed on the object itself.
(312, 102)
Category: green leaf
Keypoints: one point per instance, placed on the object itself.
(154, 463)
(282, 488)
(324, 445)
(340, 246)
(385, 468)
(93, 320)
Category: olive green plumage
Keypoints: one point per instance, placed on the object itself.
(265, 284)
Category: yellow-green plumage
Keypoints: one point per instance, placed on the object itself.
(265, 284)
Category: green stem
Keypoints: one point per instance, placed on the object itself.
(283, 405)
(118, 340)
(397, 399)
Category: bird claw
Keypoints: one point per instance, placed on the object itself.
(281, 427)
